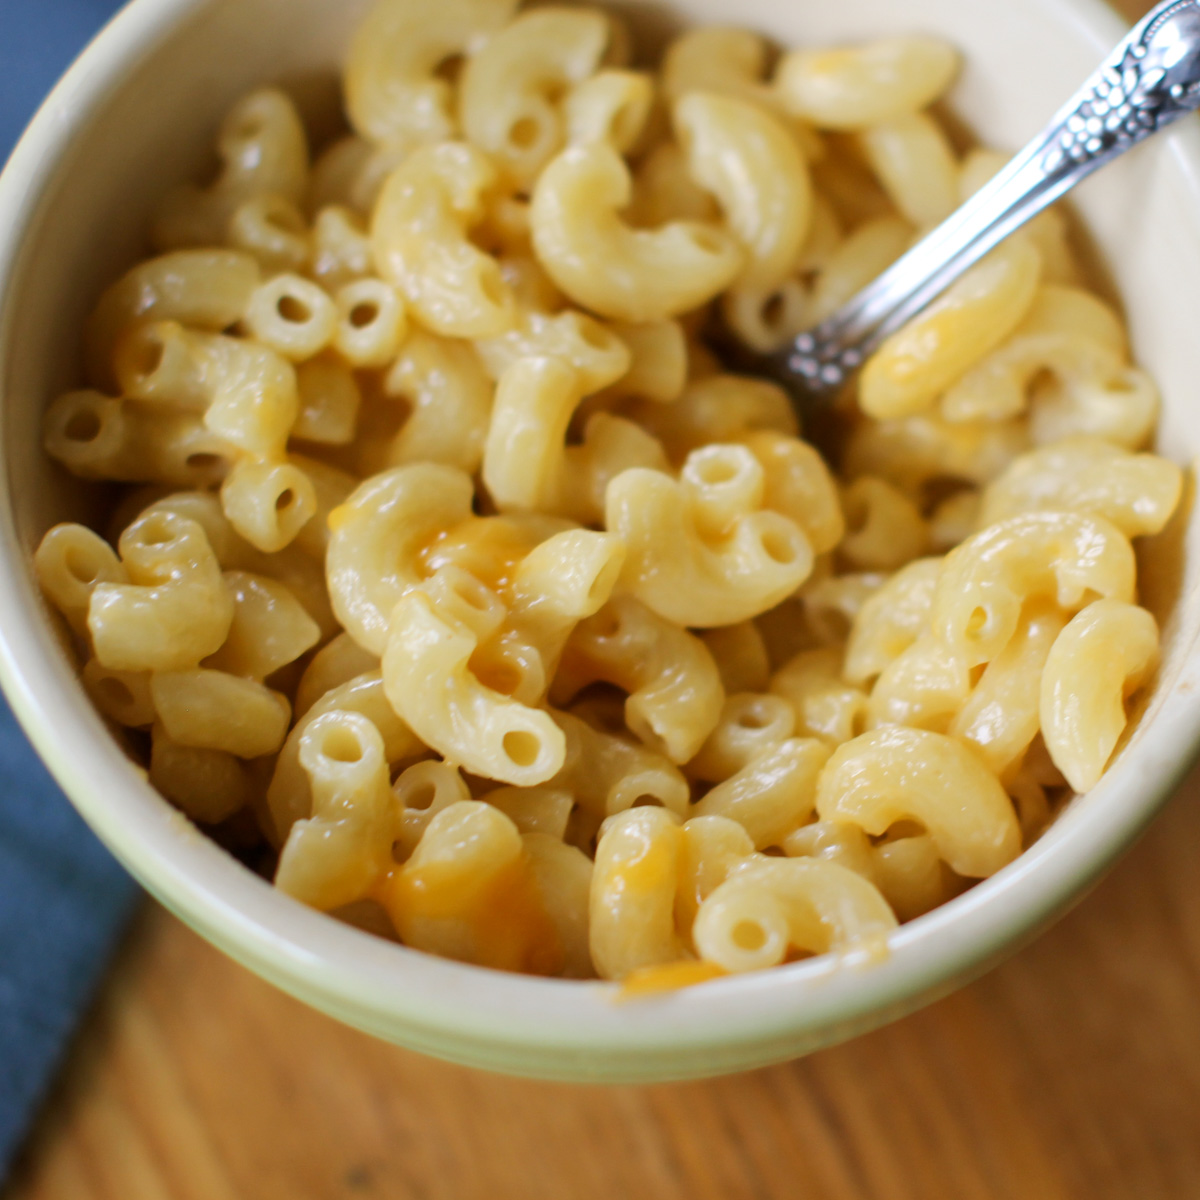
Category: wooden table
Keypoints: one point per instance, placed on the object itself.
(1073, 1071)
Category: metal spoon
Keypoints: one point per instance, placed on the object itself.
(1149, 81)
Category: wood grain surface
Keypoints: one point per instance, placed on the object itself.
(1073, 1071)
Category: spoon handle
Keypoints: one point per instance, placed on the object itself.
(1149, 81)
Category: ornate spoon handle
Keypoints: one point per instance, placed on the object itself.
(1150, 80)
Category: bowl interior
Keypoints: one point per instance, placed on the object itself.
(137, 115)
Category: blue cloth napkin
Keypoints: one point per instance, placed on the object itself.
(63, 899)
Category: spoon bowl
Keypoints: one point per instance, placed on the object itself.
(1149, 81)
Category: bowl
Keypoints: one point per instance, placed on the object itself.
(134, 116)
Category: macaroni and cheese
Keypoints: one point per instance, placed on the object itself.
(454, 572)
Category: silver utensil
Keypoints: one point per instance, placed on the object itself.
(1149, 81)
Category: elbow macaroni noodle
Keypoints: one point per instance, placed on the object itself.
(452, 562)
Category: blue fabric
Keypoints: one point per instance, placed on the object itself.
(63, 899)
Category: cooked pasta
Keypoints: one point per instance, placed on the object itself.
(451, 559)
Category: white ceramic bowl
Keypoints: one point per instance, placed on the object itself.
(135, 115)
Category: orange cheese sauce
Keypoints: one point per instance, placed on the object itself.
(668, 977)
(490, 548)
(651, 870)
(502, 914)
(337, 517)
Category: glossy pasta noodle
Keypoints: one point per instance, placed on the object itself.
(456, 585)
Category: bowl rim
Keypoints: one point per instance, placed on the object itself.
(547, 1028)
